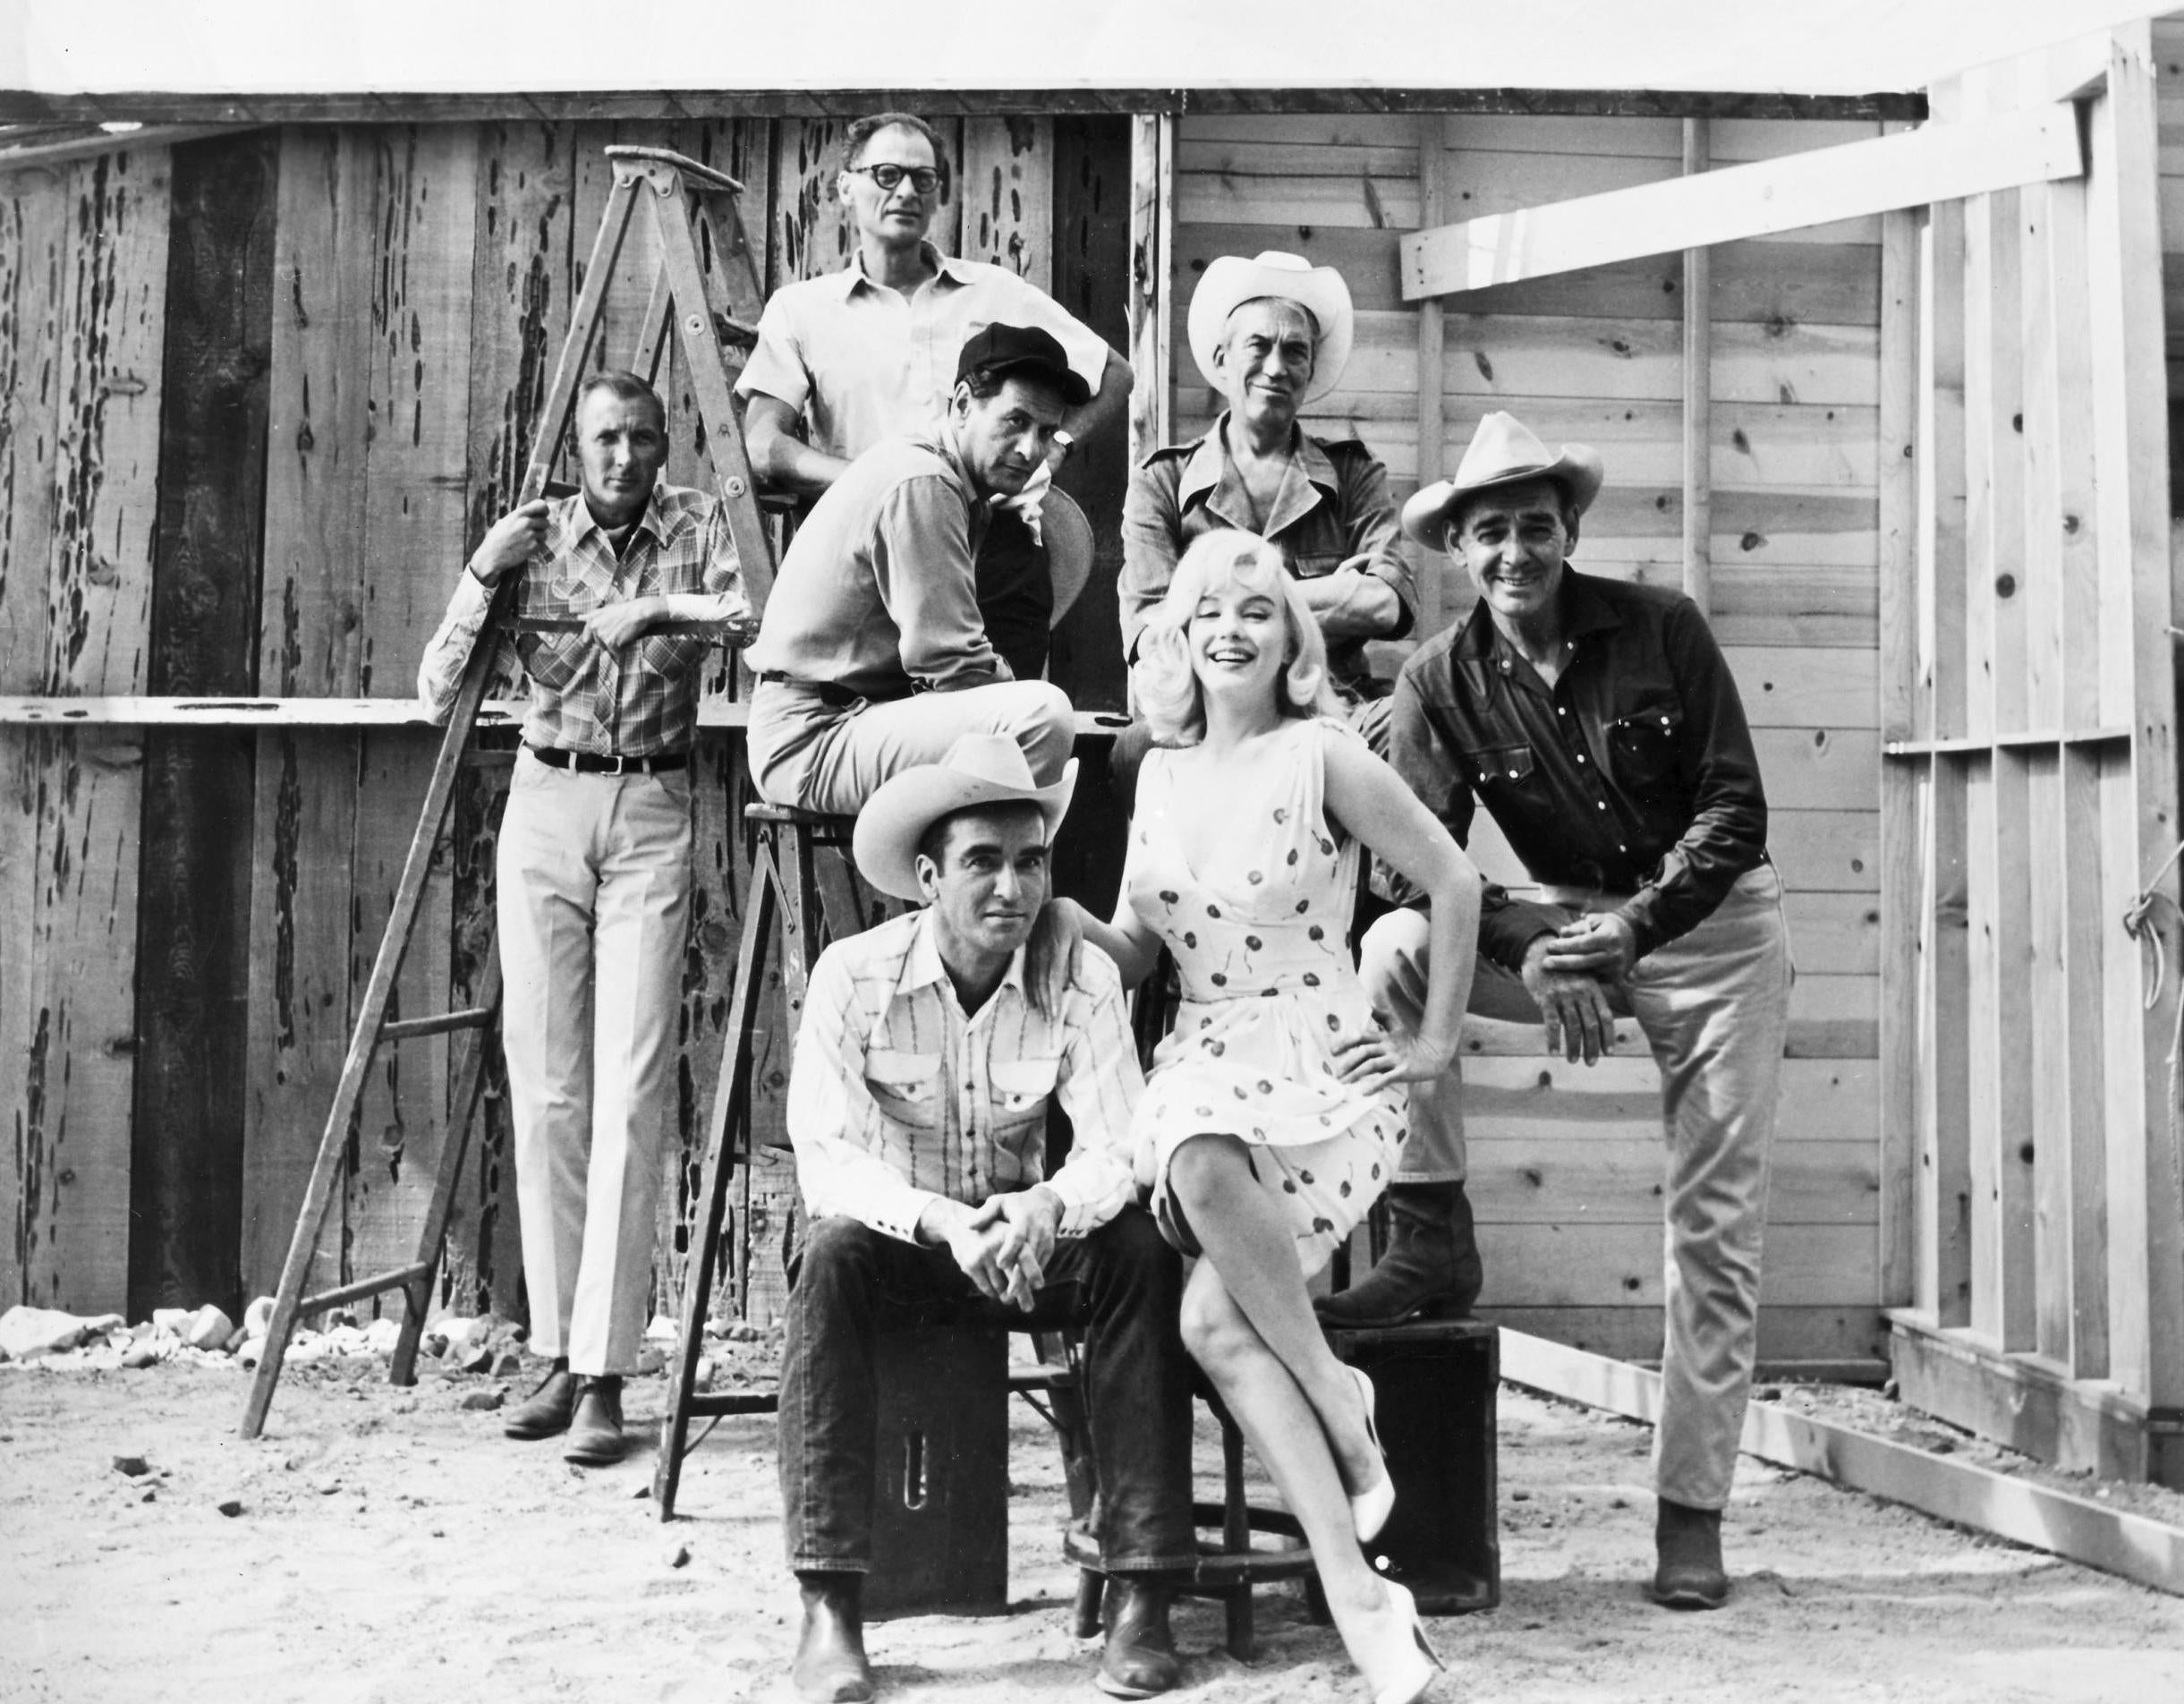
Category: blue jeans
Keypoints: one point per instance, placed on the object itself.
(1121, 1282)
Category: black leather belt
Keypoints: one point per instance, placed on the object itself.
(603, 764)
(827, 692)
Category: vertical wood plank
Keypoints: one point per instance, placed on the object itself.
(2039, 500)
(2048, 1042)
(807, 233)
(310, 644)
(34, 225)
(1995, 466)
(1942, 712)
(2001, 1130)
(1945, 1047)
(84, 925)
(1006, 195)
(2138, 572)
(1698, 392)
(1152, 226)
(423, 219)
(194, 910)
(2083, 926)
(1432, 570)
(1900, 782)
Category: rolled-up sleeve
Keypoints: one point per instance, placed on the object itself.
(439, 676)
(1375, 531)
(923, 562)
(1099, 1085)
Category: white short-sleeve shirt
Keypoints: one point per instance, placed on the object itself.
(862, 361)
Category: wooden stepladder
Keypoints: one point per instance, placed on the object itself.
(714, 312)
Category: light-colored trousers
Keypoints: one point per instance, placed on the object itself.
(1714, 1006)
(817, 756)
(594, 908)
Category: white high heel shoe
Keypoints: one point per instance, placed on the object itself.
(1370, 1508)
(1411, 1684)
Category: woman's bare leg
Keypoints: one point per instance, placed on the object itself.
(1247, 1241)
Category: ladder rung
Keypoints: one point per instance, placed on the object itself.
(400, 1278)
(477, 759)
(410, 1028)
(705, 1403)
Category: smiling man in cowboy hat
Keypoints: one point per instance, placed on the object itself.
(930, 1050)
(1598, 723)
(1272, 335)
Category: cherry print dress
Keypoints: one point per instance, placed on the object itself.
(1260, 941)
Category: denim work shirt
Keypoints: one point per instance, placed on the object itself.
(1333, 505)
(1633, 775)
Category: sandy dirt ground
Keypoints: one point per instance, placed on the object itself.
(392, 1546)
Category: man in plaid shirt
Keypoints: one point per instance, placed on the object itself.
(624, 588)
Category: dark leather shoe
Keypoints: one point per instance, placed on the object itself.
(595, 1431)
(830, 1665)
(1139, 1660)
(1687, 1544)
(546, 1410)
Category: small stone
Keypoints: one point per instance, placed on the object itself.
(678, 1556)
(258, 1317)
(139, 1356)
(641, 1493)
(507, 1363)
(241, 1336)
(381, 1336)
(231, 1506)
(135, 1466)
(149, 1496)
(743, 1331)
(662, 1329)
(207, 1328)
(484, 1402)
(476, 1361)
(1768, 1394)
(650, 1361)
(1520, 1496)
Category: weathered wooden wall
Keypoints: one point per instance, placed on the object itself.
(1566, 1162)
(262, 393)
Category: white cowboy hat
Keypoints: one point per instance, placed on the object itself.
(1502, 451)
(1068, 536)
(980, 769)
(1232, 280)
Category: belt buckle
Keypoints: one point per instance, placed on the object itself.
(620, 762)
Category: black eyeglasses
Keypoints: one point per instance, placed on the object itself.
(889, 176)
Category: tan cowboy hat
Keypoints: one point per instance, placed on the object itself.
(1503, 451)
(980, 769)
(1068, 536)
(1232, 280)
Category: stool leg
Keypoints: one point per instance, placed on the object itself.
(1091, 1598)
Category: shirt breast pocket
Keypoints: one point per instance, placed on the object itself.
(1646, 749)
(906, 1087)
(1502, 768)
(1020, 1090)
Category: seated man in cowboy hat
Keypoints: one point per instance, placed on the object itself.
(1599, 725)
(1272, 335)
(873, 654)
(850, 357)
(930, 1050)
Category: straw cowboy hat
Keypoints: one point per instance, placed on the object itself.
(980, 769)
(1503, 451)
(1232, 280)
(1068, 536)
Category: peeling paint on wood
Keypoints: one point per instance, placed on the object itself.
(1007, 195)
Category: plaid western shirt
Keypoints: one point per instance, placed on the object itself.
(897, 1096)
(641, 700)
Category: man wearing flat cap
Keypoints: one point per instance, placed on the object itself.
(1272, 335)
(1598, 723)
(873, 654)
(930, 1049)
(849, 358)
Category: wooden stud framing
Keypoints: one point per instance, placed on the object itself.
(1152, 241)
(1432, 450)
(1698, 392)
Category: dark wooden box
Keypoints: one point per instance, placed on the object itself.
(940, 1509)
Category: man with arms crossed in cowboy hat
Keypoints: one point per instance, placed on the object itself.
(1272, 335)
(930, 1050)
(1598, 723)
(873, 654)
(850, 357)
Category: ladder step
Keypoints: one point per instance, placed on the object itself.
(410, 1028)
(693, 172)
(400, 1278)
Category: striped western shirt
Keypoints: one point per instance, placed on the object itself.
(641, 700)
(897, 1096)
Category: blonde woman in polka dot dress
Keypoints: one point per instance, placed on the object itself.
(1274, 1115)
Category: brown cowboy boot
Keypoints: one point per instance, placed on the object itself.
(1432, 1268)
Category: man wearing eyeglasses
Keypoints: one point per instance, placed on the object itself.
(869, 353)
